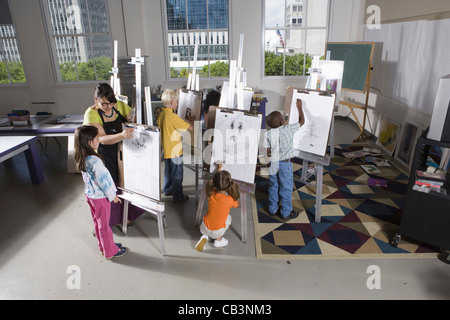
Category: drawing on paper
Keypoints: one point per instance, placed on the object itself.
(189, 104)
(236, 137)
(318, 109)
(141, 163)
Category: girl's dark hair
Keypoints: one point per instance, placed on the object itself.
(82, 136)
(104, 90)
(222, 181)
(212, 99)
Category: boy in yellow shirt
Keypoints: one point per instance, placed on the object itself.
(170, 123)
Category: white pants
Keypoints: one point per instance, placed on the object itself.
(215, 234)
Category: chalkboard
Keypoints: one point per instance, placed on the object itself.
(357, 57)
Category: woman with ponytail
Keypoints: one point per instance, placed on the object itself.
(223, 194)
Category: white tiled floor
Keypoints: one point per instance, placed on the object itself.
(45, 229)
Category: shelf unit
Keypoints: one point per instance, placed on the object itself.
(426, 216)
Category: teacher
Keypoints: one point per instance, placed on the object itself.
(107, 115)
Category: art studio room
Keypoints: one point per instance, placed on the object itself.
(245, 150)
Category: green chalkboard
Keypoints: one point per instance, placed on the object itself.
(357, 57)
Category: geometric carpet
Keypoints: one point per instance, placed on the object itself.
(357, 220)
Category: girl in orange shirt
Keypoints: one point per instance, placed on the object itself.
(223, 194)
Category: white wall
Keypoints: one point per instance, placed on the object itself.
(140, 26)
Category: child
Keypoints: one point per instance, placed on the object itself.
(223, 194)
(170, 123)
(279, 141)
(100, 189)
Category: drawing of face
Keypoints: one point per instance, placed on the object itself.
(139, 144)
(238, 137)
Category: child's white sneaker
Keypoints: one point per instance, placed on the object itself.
(221, 243)
(201, 243)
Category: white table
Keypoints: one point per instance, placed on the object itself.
(11, 146)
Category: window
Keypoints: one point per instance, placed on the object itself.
(294, 32)
(80, 39)
(11, 67)
(197, 21)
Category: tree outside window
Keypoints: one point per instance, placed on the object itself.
(294, 32)
(81, 41)
(11, 67)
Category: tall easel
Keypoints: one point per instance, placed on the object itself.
(352, 105)
(115, 81)
(194, 151)
(138, 61)
(237, 83)
(357, 73)
(319, 161)
(146, 198)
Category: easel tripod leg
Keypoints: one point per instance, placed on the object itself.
(161, 232)
(243, 217)
(319, 184)
(125, 217)
(198, 216)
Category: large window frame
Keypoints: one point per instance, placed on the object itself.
(10, 51)
(71, 38)
(187, 37)
(282, 31)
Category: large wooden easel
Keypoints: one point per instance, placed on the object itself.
(352, 105)
(357, 57)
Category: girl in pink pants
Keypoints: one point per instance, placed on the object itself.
(99, 188)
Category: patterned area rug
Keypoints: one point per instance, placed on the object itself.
(358, 220)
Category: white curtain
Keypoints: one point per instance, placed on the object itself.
(409, 59)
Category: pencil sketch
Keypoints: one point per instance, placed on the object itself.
(141, 163)
(190, 105)
(236, 137)
(313, 136)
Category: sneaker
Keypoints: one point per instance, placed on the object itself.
(201, 243)
(119, 253)
(292, 215)
(117, 244)
(184, 199)
(221, 243)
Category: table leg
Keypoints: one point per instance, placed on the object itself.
(34, 163)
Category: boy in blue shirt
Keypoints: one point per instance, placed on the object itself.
(279, 142)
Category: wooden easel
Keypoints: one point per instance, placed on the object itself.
(362, 135)
(149, 205)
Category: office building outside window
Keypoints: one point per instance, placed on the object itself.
(11, 67)
(294, 32)
(197, 21)
(80, 39)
